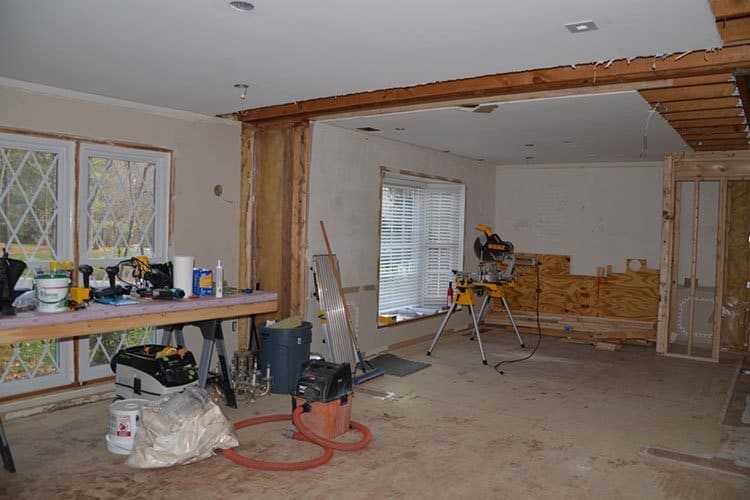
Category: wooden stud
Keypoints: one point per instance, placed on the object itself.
(563, 77)
(721, 239)
(666, 267)
(297, 230)
(675, 262)
(247, 169)
(693, 263)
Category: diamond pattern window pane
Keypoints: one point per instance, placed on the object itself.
(105, 345)
(121, 208)
(29, 203)
(28, 360)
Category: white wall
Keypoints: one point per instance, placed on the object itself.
(345, 193)
(599, 214)
(206, 152)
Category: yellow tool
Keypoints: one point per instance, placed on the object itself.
(496, 270)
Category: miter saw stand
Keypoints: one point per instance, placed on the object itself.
(496, 270)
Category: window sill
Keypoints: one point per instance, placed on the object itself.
(403, 321)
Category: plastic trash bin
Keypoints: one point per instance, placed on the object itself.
(285, 349)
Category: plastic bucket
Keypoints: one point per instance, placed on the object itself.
(51, 291)
(124, 418)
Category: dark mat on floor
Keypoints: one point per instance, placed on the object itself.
(393, 365)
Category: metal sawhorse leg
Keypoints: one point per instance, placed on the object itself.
(212, 335)
(5, 450)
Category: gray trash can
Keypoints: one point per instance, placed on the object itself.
(285, 349)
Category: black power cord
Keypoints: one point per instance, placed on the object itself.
(538, 327)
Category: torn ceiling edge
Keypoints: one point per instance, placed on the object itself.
(35, 88)
(625, 71)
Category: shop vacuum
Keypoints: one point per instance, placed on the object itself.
(151, 371)
(321, 411)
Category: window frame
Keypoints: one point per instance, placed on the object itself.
(427, 182)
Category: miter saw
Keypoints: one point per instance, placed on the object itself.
(496, 270)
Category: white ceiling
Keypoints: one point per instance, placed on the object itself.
(576, 129)
(187, 54)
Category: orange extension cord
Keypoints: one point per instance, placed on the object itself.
(303, 434)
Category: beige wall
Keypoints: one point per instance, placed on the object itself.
(345, 193)
(206, 152)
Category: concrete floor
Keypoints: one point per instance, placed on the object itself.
(572, 422)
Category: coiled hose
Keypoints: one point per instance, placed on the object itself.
(303, 434)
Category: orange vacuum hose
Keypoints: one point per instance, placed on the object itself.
(304, 434)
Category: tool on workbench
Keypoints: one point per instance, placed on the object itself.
(150, 371)
(10, 272)
(369, 372)
(81, 294)
(496, 271)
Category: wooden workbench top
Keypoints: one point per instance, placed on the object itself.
(98, 318)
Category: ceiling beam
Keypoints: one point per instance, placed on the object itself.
(621, 71)
(702, 80)
(727, 129)
(692, 92)
(703, 113)
(726, 9)
(734, 30)
(713, 122)
(739, 136)
(698, 104)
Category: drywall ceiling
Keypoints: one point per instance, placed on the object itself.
(187, 54)
(575, 129)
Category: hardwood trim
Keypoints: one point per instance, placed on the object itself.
(563, 77)
(65, 137)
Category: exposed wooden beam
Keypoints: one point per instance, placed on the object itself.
(713, 122)
(719, 142)
(712, 130)
(698, 104)
(704, 113)
(734, 30)
(738, 136)
(743, 87)
(702, 80)
(720, 148)
(640, 69)
(692, 92)
(725, 9)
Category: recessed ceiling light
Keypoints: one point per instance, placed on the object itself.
(241, 6)
(529, 145)
(582, 26)
(399, 129)
(243, 87)
(567, 142)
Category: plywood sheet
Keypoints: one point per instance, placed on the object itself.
(633, 294)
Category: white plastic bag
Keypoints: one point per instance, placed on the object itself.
(180, 429)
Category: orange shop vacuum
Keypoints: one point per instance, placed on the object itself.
(321, 412)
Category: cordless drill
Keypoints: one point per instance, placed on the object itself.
(81, 294)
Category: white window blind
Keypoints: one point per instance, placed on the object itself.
(421, 241)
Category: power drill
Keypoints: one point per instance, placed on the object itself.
(114, 290)
(82, 294)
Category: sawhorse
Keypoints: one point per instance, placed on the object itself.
(212, 335)
(5, 450)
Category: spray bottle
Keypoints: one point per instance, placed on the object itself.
(219, 279)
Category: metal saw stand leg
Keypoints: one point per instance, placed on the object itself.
(5, 451)
(445, 322)
(483, 311)
(442, 327)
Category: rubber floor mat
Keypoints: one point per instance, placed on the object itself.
(399, 367)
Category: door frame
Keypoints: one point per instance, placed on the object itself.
(707, 166)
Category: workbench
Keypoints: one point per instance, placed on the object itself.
(204, 312)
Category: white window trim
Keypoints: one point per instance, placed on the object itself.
(162, 160)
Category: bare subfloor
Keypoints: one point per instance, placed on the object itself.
(572, 422)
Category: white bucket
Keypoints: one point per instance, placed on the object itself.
(51, 291)
(124, 416)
